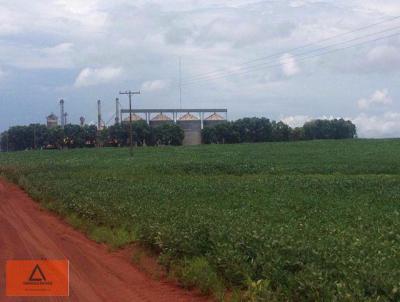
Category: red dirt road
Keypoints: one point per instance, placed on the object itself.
(27, 232)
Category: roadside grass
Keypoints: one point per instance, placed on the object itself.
(304, 221)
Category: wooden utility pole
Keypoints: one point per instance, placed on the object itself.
(117, 111)
(130, 93)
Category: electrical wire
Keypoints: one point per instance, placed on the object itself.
(205, 75)
(261, 67)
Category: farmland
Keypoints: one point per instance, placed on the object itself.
(300, 221)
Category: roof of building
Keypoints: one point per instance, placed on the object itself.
(188, 117)
(135, 118)
(215, 117)
(161, 117)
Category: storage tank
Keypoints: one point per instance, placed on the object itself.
(160, 119)
(213, 120)
(52, 121)
(135, 118)
(191, 125)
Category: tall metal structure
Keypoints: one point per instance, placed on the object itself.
(117, 112)
(62, 115)
(130, 93)
(82, 121)
(180, 83)
(98, 115)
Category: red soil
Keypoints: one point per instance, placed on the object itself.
(28, 232)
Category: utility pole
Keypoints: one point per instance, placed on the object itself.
(117, 111)
(130, 93)
(98, 115)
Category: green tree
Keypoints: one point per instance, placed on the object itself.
(280, 132)
(209, 135)
(74, 136)
(329, 129)
(90, 132)
(167, 134)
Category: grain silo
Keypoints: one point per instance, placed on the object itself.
(191, 125)
(213, 120)
(135, 118)
(160, 119)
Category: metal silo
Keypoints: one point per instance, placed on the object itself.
(135, 118)
(191, 125)
(213, 120)
(160, 119)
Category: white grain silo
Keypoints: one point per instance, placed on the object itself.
(191, 125)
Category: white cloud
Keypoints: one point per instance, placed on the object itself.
(59, 56)
(387, 7)
(378, 126)
(155, 85)
(384, 125)
(384, 58)
(82, 37)
(289, 65)
(296, 120)
(95, 76)
(378, 98)
(300, 120)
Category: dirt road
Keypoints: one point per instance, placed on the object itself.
(27, 232)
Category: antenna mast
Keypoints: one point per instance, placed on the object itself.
(180, 83)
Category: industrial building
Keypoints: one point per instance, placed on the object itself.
(52, 121)
(192, 121)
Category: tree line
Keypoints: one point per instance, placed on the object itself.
(38, 136)
(254, 130)
(246, 130)
(143, 134)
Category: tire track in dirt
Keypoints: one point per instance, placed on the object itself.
(27, 232)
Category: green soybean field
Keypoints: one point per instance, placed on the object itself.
(301, 221)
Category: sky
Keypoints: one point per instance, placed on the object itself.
(289, 60)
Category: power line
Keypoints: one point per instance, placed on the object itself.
(304, 54)
(195, 77)
(261, 67)
(307, 52)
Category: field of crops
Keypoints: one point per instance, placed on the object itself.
(305, 221)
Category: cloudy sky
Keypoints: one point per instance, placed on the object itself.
(241, 54)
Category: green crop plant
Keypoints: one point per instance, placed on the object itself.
(314, 221)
